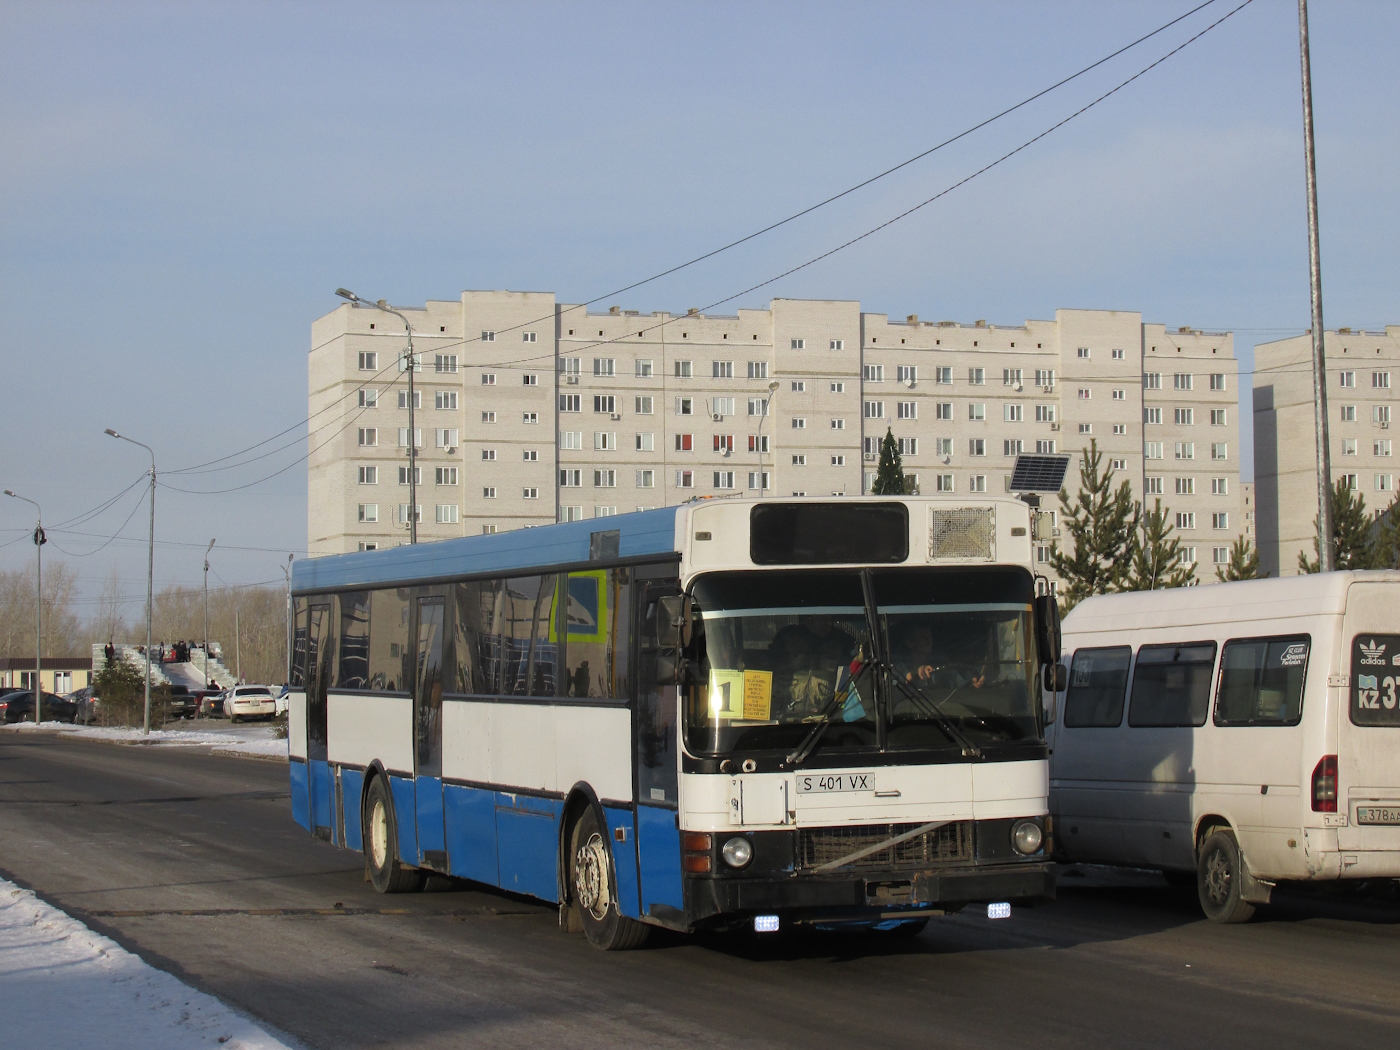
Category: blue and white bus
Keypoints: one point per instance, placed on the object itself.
(731, 713)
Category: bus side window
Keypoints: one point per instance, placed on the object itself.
(1261, 681)
(1098, 681)
(656, 704)
(299, 645)
(1171, 685)
(388, 641)
(597, 647)
(529, 642)
(352, 671)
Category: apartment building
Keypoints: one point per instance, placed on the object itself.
(529, 411)
(1363, 373)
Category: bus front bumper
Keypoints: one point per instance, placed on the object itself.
(816, 898)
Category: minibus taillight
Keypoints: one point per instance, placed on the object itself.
(1324, 785)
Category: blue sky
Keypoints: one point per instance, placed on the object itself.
(183, 186)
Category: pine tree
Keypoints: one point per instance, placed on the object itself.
(889, 481)
(1103, 523)
(1385, 539)
(1158, 560)
(1351, 532)
(1244, 562)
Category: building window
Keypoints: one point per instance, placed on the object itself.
(1152, 450)
(1045, 448)
(604, 479)
(446, 513)
(1118, 355)
(446, 437)
(840, 424)
(1348, 446)
(722, 369)
(976, 412)
(724, 479)
(531, 379)
(646, 479)
(1185, 486)
(417, 475)
(1045, 413)
(1011, 413)
(799, 460)
(1012, 447)
(1220, 555)
(604, 442)
(977, 483)
(724, 444)
(488, 530)
(838, 461)
(1120, 395)
(758, 406)
(488, 417)
(874, 410)
(977, 376)
(1217, 381)
(943, 410)
(835, 344)
(1346, 379)
(684, 442)
(907, 409)
(642, 369)
(758, 369)
(1153, 416)
(569, 366)
(417, 513)
(445, 363)
(488, 378)
(1044, 377)
(1152, 486)
(1184, 417)
(1380, 380)
(1380, 447)
(417, 399)
(801, 344)
(1348, 481)
(369, 475)
(646, 442)
(642, 404)
(527, 337)
(685, 479)
(1219, 450)
(907, 374)
(1183, 381)
(1083, 353)
(873, 373)
(445, 475)
(369, 512)
(722, 406)
(1382, 482)
(1152, 380)
(682, 369)
(529, 417)
(604, 366)
(1220, 520)
(604, 512)
(799, 386)
(759, 479)
(907, 447)
(369, 437)
(368, 545)
(369, 399)
(1217, 417)
(1086, 428)
(570, 478)
(1219, 486)
(1188, 554)
(1185, 450)
(445, 399)
(1120, 428)
(530, 493)
(571, 439)
(685, 406)
(369, 361)
(798, 423)
(758, 442)
(1011, 377)
(604, 403)
(976, 447)
(488, 337)
(1186, 519)
(1348, 413)
(417, 437)
(943, 483)
(1085, 393)
(1380, 414)
(837, 388)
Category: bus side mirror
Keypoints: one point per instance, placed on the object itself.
(1047, 628)
(670, 667)
(1056, 678)
(673, 620)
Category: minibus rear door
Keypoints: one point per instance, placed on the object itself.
(1368, 753)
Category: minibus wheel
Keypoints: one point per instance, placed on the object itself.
(1218, 878)
(594, 890)
(380, 836)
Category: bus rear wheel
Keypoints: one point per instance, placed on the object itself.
(381, 844)
(1218, 879)
(594, 890)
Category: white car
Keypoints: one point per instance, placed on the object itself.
(249, 701)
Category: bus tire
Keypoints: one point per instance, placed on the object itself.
(593, 888)
(380, 837)
(1218, 880)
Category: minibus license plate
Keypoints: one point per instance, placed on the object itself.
(811, 783)
(1378, 814)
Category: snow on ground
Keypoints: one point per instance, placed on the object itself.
(68, 988)
(256, 740)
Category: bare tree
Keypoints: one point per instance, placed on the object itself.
(110, 625)
(63, 634)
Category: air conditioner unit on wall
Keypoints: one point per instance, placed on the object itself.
(1054, 426)
(717, 417)
(573, 380)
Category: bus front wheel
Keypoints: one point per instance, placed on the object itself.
(1218, 879)
(594, 890)
(381, 844)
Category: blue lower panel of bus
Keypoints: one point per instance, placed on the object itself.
(301, 798)
(406, 816)
(430, 830)
(659, 846)
(527, 833)
(471, 833)
(321, 783)
(624, 859)
(352, 783)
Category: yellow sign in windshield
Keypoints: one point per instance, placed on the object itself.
(745, 695)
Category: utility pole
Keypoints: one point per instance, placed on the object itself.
(288, 572)
(412, 444)
(767, 411)
(1325, 555)
(150, 570)
(237, 644)
(39, 540)
(206, 615)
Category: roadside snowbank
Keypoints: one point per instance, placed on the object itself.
(250, 740)
(67, 987)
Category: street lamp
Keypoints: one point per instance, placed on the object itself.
(150, 570)
(772, 389)
(287, 571)
(206, 613)
(39, 540)
(412, 446)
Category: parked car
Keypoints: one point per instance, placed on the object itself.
(249, 701)
(87, 703)
(182, 703)
(209, 702)
(18, 705)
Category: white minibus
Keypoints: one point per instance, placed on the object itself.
(1247, 732)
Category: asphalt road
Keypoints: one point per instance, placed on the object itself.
(192, 860)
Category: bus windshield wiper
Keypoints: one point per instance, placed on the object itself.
(933, 710)
(835, 706)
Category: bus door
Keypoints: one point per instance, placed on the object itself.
(427, 730)
(657, 759)
(321, 781)
(1368, 730)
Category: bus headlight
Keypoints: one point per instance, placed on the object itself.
(1026, 837)
(737, 852)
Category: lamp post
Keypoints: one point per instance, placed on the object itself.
(772, 390)
(412, 446)
(206, 613)
(39, 540)
(150, 570)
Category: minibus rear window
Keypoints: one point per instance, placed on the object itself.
(1098, 681)
(1375, 680)
(1261, 681)
(1171, 685)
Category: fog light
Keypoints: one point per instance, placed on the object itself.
(1000, 910)
(1026, 836)
(737, 852)
(765, 924)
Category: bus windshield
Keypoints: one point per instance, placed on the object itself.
(774, 650)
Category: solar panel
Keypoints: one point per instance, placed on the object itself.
(1039, 473)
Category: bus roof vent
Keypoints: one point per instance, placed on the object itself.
(962, 532)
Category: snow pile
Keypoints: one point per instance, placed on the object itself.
(250, 740)
(67, 987)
